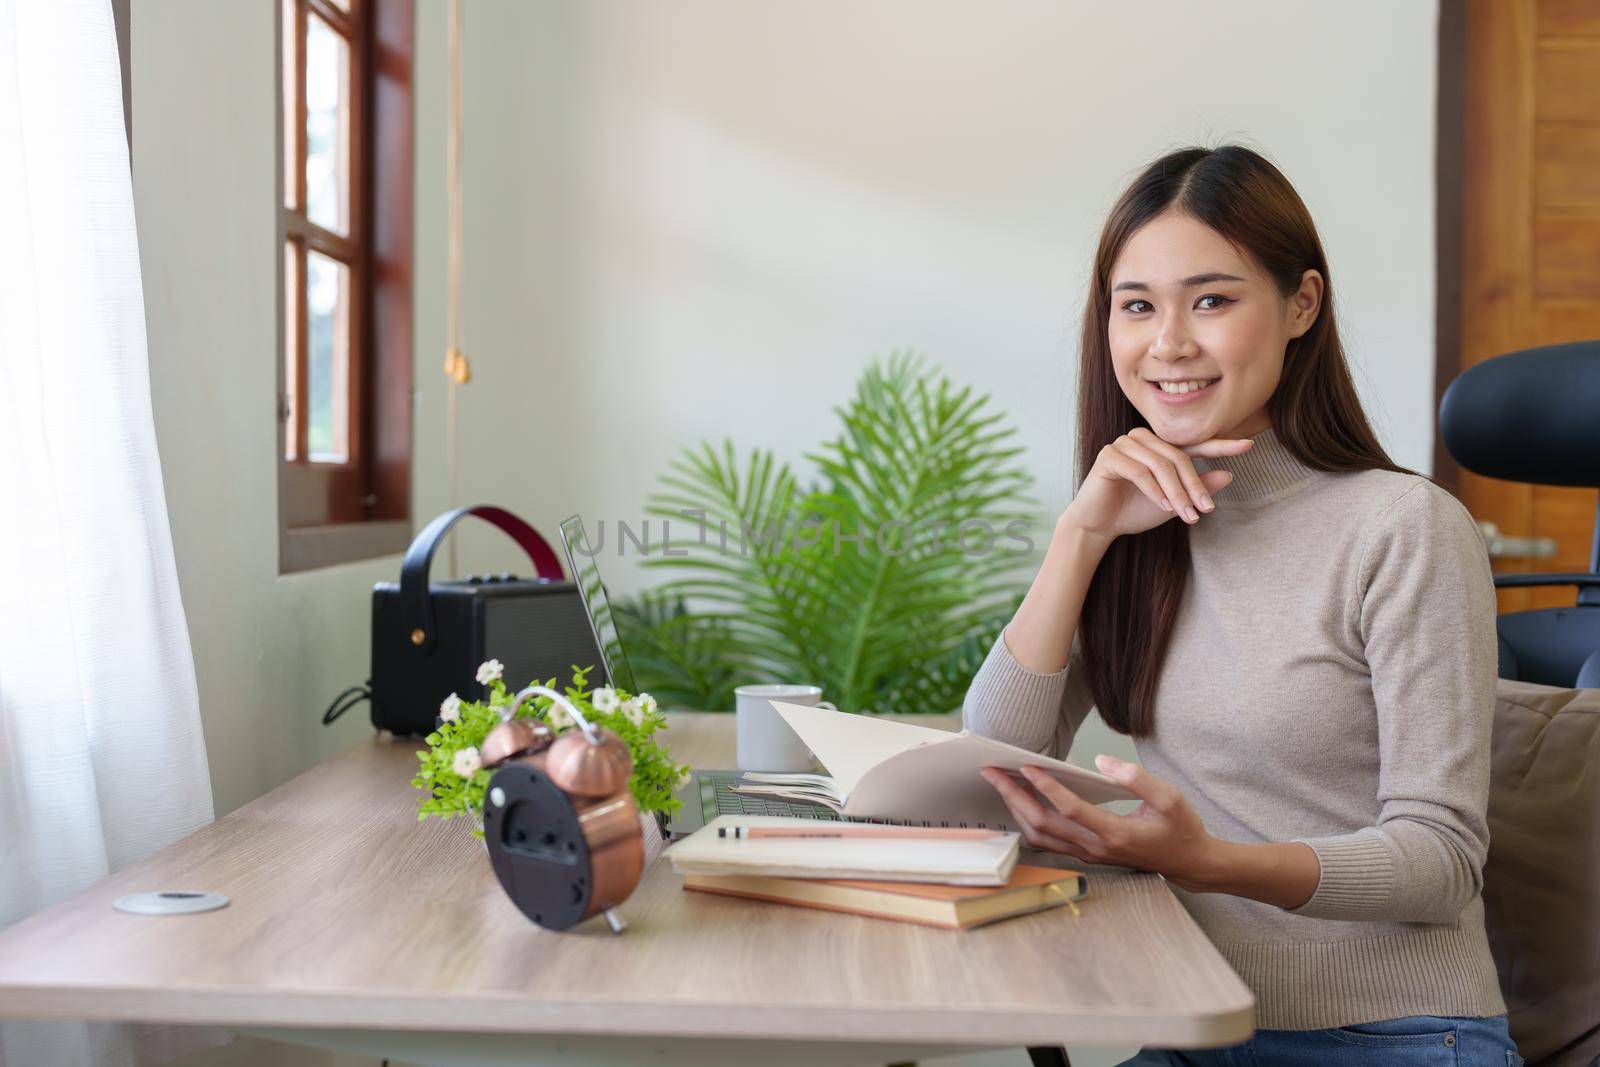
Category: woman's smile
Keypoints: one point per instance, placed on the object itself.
(1186, 391)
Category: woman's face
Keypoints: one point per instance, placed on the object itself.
(1189, 309)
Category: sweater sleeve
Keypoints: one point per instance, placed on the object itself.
(1427, 617)
(1037, 712)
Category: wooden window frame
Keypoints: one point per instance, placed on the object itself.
(330, 513)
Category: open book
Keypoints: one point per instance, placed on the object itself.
(892, 771)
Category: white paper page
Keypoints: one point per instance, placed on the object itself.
(848, 745)
(801, 783)
(1092, 786)
(941, 782)
(793, 792)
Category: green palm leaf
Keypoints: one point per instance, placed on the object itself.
(690, 660)
(884, 581)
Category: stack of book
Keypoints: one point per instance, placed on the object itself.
(956, 879)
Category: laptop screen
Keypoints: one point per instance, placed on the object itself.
(586, 573)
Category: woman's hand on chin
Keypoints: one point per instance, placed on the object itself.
(1140, 481)
(1163, 835)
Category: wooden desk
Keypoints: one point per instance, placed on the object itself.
(354, 926)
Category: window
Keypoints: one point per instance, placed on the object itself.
(344, 383)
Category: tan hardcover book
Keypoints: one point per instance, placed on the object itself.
(953, 907)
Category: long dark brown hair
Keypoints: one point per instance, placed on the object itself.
(1133, 600)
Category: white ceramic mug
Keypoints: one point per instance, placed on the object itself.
(766, 742)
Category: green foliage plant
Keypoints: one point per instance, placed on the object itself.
(874, 580)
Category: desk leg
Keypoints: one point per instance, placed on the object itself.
(437, 1049)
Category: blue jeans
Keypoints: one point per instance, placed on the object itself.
(1416, 1041)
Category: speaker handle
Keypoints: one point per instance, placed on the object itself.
(417, 603)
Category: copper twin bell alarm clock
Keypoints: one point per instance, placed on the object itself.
(561, 826)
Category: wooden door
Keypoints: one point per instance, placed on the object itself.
(1519, 171)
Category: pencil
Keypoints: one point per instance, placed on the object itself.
(859, 830)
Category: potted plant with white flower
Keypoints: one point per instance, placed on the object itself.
(455, 779)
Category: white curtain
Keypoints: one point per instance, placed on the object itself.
(101, 755)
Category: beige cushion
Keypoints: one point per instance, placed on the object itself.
(1541, 889)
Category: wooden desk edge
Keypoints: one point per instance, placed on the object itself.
(690, 1018)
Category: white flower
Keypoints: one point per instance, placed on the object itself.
(647, 702)
(490, 671)
(634, 711)
(557, 717)
(467, 762)
(450, 709)
(605, 700)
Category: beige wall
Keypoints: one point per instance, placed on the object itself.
(701, 219)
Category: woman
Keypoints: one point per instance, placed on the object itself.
(1306, 662)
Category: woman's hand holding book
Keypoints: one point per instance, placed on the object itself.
(1164, 835)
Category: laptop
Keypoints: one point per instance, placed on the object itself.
(708, 793)
(596, 605)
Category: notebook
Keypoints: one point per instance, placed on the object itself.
(883, 769)
(952, 907)
(987, 861)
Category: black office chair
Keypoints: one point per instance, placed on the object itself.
(1534, 416)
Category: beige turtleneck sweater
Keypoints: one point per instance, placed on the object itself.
(1330, 679)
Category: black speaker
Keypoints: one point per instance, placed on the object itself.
(428, 638)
